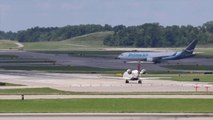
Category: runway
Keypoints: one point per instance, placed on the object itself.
(106, 116)
(95, 83)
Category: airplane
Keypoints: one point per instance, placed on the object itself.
(157, 57)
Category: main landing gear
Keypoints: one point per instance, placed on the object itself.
(127, 81)
(139, 81)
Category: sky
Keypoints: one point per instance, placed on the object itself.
(18, 15)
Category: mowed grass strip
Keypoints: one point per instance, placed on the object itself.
(190, 77)
(34, 91)
(108, 105)
(50, 91)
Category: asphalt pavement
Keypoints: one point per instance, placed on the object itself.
(64, 59)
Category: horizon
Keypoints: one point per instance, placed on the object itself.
(97, 24)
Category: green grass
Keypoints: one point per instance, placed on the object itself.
(183, 76)
(108, 106)
(205, 52)
(8, 44)
(64, 69)
(34, 91)
(102, 54)
(190, 77)
(189, 67)
(50, 91)
(93, 41)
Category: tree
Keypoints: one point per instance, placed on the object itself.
(208, 26)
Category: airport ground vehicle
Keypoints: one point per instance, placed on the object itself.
(133, 75)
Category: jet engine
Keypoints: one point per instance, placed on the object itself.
(143, 71)
(154, 60)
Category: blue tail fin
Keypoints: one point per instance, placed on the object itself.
(190, 48)
(187, 52)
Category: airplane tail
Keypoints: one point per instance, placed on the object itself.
(187, 52)
(190, 48)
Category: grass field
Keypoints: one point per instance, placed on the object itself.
(50, 91)
(93, 41)
(34, 91)
(206, 52)
(108, 106)
(8, 44)
(190, 77)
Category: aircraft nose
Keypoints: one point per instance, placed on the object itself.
(119, 57)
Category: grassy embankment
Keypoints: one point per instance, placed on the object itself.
(7, 44)
(93, 41)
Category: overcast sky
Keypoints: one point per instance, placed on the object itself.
(22, 14)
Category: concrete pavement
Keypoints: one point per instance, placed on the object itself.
(96, 83)
(18, 97)
(106, 116)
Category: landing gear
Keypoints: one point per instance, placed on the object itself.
(139, 81)
(127, 81)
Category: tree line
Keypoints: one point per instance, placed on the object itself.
(155, 35)
(37, 34)
(146, 35)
